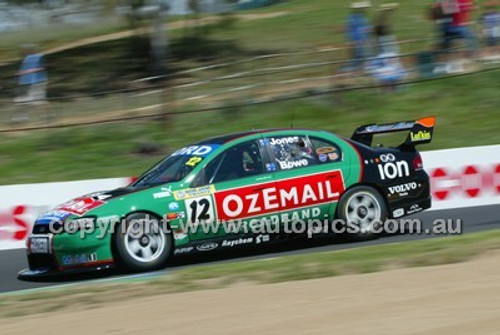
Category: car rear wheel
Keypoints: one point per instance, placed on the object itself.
(362, 209)
(142, 244)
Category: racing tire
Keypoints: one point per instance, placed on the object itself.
(141, 244)
(361, 210)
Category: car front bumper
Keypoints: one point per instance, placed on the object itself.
(66, 253)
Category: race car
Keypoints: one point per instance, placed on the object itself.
(253, 182)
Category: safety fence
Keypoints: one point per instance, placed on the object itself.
(245, 82)
(256, 69)
(246, 103)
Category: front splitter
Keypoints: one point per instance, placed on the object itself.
(48, 273)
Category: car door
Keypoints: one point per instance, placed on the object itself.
(309, 178)
(237, 177)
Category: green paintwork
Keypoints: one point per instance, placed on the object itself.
(66, 244)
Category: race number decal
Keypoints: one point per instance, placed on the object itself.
(200, 210)
(193, 161)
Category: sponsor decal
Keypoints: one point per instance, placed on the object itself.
(99, 195)
(194, 192)
(79, 259)
(196, 150)
(422, 135)
(271, 221)
(386, 127)
(371, 129)
(325, 150)
(165, 193)
(172, 216)
(287, 165)
(398, 213)
(173, 206)
(387, 158)
(327, 153)
(262, 239)
(278, 196)
(414, 209)
(80, 206)
(271, 167)
(180, 235)
(333, 156)
(237, 242)
(264, 142)
(207, 246)
(403, 189)
(185, 250)
(392, 170)
(52, 216)
(284, 140)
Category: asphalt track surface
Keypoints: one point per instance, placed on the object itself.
(473, 220)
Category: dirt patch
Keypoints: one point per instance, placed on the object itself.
(460, 298)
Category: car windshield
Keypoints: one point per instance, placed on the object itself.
(176, 166)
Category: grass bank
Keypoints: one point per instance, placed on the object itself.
(466, 109)
(307, 25)
(288, 268)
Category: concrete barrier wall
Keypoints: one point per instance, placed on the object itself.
(21, 204)
(465, 177)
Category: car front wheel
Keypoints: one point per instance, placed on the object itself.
(142, 244)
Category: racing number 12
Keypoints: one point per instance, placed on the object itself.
(199, 210)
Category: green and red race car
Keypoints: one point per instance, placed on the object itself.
(255, 183)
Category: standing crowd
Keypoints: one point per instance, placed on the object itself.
(374, 48)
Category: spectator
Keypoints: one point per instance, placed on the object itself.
(387, 71)
(32, 80)
(442, 12)
(490, 23)
(386, 40)
(455, 17)
(357, 31)
(461, 25)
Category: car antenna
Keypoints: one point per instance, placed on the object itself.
(291, 124)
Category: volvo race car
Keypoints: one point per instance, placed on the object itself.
(246, 181)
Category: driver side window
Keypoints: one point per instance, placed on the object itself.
(241, 161)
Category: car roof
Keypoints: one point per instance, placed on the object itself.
(222, 139)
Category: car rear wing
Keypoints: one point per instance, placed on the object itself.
(420, 132)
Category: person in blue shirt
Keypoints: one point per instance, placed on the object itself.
(490, 23)
(32, 80)
(387, 71)
(357, 33)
